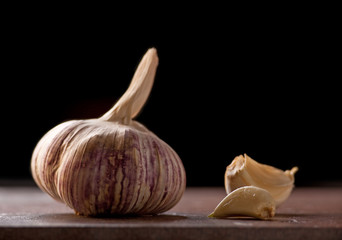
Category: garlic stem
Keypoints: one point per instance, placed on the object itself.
(132, 101)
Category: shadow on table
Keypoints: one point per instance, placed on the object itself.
(69, 217)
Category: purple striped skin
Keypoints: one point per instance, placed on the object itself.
(99, 167)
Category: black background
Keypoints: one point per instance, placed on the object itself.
(229, 82)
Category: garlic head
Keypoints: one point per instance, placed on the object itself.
(112, 165)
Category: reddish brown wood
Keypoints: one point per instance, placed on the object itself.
(309, 213)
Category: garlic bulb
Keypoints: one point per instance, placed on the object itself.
(113, 164)
(246, 201)
(244, 171)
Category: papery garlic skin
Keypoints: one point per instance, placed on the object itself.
(103, 168)
(244, 171)
(112, 165)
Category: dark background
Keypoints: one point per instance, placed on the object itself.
(242, 81)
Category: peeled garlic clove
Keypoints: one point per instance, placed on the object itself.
(113, 164)
(246, 201)
(244, 171)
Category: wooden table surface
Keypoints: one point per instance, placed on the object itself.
(309, 213)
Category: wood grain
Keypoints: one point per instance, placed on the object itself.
(309, 213)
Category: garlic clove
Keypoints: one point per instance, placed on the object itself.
(112, 165)
(244, 171)
(246, 201)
